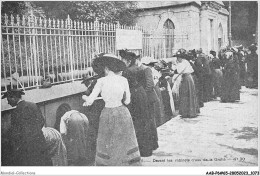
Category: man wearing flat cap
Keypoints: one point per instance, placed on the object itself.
(26, 136)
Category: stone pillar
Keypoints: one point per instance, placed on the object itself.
(204, 28)
(194, 34)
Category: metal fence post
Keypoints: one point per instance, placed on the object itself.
(153, 38)
(33, 24)
(36, 50)
(70, 47)
(96, 29)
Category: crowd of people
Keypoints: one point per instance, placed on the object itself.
(125, 102)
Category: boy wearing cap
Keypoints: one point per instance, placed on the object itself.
(26, 136)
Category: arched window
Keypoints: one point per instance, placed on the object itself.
(168, 25)
(169, 37)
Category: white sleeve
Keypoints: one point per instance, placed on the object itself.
(180, 67)
(127, 93)
(184, 67)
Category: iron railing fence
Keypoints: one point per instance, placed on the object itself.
(162, 45)
(35, 49)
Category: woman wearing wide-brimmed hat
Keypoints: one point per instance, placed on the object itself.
(188, 107)
(139, 103)
(116, 142)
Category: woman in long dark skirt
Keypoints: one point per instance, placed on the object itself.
(230, 86)
(139, 104)
(148, 64)
(217, 75)
(153, 100)
(252, 68)
(197, 75)
(160, 111)
(189, 107)
(164, 86)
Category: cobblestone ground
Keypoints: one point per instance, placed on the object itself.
(224, 134)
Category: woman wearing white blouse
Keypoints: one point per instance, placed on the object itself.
(188, 107)
(116, 143)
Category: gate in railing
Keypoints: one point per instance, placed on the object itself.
(35, 49)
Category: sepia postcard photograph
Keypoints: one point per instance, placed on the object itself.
(129, 88)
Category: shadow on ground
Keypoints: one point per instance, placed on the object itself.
(219, 134)
(246, 133)
(249, 151)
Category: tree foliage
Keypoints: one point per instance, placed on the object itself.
(20, 8)
(13, 7)
(122, 11)
(105, 11)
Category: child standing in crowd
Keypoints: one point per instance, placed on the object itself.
(116, 143)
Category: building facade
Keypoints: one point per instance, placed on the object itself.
(205, 23)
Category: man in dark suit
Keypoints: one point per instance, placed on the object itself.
(26, 136)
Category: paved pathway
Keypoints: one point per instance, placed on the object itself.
(224, 134)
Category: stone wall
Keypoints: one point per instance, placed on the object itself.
(191, 20)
